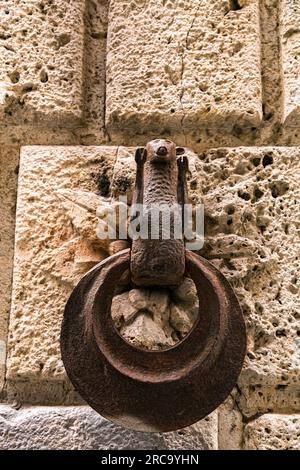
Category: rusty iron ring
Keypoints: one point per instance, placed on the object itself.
(153, 390)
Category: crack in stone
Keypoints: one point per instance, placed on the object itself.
(245, 419)
(185, 48)
(248, 419)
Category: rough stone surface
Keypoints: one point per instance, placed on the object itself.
(230, 425)
(67, 106)
(56, 243)
(209, 74)
(199, 66)
(251, 213)
(90, 130)
(290, 43)
(273, 432)
(202, 435)
(251, 198)
(156, 319)
(42, 49)
(9, 160)
(81, 428)
(124, 174)
(94, 71)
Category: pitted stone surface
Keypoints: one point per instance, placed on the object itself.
(71, 428)
(273, 432)
(9, 160)
(156, 319)
(251, 198)
(189, 71)
(184, 65)
(251, 225)
(56, 243)
(290, 44)
(251, 214)
(41, 77)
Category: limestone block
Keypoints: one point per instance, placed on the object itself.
(290, 45)
(185, 65)
(9, 159)
(156, 319)
(273, 432)
(251, 198)
(230, 426)
(41, 73)
(201, 436)
(56, 243)
(252, 235)
(71, 428)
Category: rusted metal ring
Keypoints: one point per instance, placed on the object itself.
(153, 390)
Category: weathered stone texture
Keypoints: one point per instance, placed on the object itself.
(230, 426)
(155, 319)
(124, 174)
(200, 65)
(9, 159)
(251, 198)
(56, 243)
(94, 71)
(41, 73)
(273, 432)
(81, 428)
(52, 83)
(252, 235)
(290, 44)
(211, 73)
(179, 65)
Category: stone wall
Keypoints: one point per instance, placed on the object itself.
(81, 84)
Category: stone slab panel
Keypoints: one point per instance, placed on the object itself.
(273, 432)
(9, 160)
(251, 198)
(252, 235)
(41, 72)
(230, 423)
(56, 243)
(290, 45)
(185, 65)
(72, 428)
